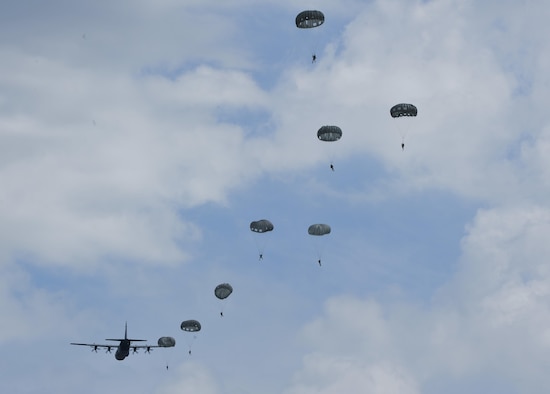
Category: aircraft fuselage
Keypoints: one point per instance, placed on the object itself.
(123, 350)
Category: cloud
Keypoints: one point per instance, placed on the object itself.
(128, 132)
(99, 165)
(472, 128)
(331, 375)
(193, 378)
(486, 321)
(114, 156)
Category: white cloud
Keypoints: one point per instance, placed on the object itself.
(193, 378)
(487, 321)
(326, 375)
(97, 166)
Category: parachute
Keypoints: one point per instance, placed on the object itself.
(309, 19)
(261, 226)
(403, 109)
(318, 229)
(166, 342)
(223, 290)
(400, 111)
(190, 326)
(329, 133)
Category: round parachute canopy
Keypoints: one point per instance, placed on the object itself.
(223, 290)
(403, 109)
(166, 342)
(318, 229)
(261, 226)
(309, 19)
(190, 326)
(329, 133)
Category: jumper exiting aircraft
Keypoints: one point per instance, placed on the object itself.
(123, 348)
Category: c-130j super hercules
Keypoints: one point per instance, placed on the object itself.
(125, 344)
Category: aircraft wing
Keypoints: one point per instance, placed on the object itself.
(95, 345)
(143, 346)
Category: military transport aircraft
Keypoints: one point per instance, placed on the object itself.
(123, 348)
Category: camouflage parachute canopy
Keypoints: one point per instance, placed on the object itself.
(190, 326)
(223, 290)
(318, 229)
(309, 19)
(403, 109)
(166, 342)
(261, 226)
(329, 133)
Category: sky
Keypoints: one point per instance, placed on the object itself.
(139, 139)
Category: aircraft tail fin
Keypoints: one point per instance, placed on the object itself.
(126, 336)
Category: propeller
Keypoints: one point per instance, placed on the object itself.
(94, 349)
(135, 350)
(108, 349)
(148, 349)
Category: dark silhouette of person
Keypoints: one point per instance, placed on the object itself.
(332, 167)
(313, 58)
(402, 146)
(319, 261)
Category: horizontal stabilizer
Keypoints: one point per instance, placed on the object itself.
(124, 339)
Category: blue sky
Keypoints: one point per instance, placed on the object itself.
(140, 139)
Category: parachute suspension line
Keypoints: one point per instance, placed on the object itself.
(332, 157)
(167, 359)
(404, 131)
(318, 250)
(316, 40)
(313, 45)
(401, 129)
(222, 307)
(190, 344)
(261, 245)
